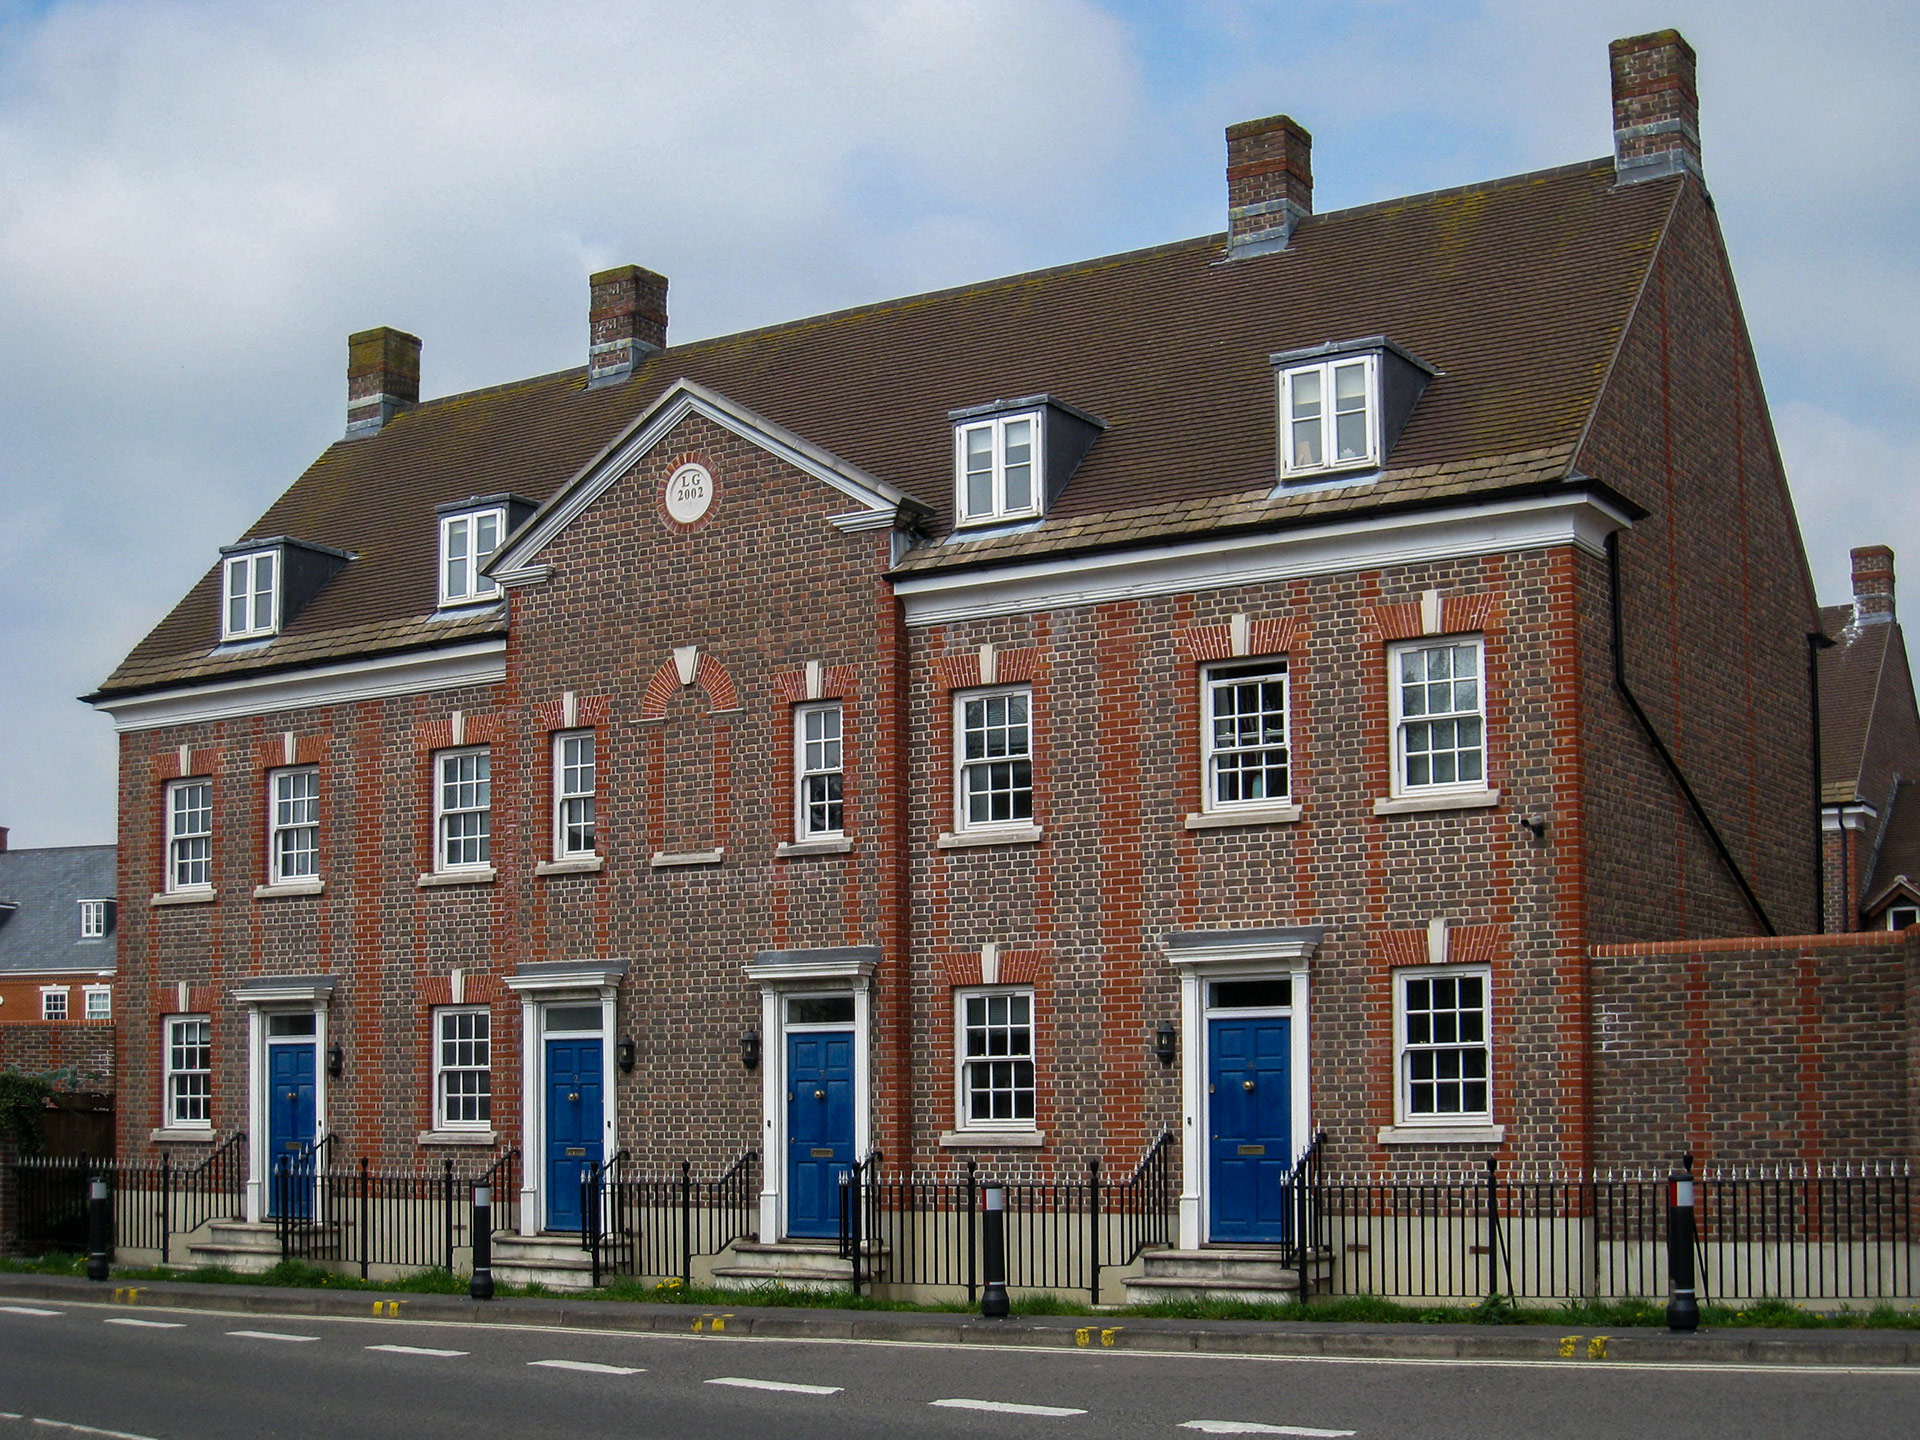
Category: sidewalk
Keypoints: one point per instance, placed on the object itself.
(1871, 1348)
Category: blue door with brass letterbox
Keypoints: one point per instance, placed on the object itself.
(290, 1123)
(819, 1128)
(1249, 1117)
(575, 1119)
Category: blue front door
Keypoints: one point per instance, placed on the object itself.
(290, 1127)
(574, 1119)
(819, 1128)
(1248, 1115)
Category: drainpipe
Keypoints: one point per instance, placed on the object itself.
(1660, 746)
(1816, 642)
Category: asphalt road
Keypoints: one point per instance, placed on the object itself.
(158, 1374)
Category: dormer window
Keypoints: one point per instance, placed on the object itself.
(999, 468)
(1011, 457)
(467, 543)
(265, 581)
(1343, 405)
(252, 595)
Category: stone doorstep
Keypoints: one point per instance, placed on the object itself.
(814, 1264)
(556, 1261)
(1893, 1350)
(1220, 1263)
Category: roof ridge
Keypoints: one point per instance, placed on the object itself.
(1551, 172)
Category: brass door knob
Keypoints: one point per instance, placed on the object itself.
(819, 1094)
(1246, 1084)
(575, 1095)
(293, 1094)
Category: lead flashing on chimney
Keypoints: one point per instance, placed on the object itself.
(1269, 239)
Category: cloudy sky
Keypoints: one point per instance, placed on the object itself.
(200, 199)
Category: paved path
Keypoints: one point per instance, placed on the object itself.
(76, 1369)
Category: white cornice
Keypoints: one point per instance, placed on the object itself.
(883, 502)
(472, 662)
(1535, 522)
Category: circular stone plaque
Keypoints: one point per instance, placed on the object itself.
(689, 493)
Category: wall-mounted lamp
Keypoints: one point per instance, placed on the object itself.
(750, 1049)
(1163, 1042)
(625, 1054)
(336, 1061)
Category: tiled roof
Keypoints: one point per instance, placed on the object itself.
(46, 887)
(1849, 683)
(1517, 290)
(1898, 855)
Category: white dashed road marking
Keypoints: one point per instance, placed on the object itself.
(1006, 1407)
(1252, 1427)
(147, 1324)
(271, 1335)
(589, 1367)
(89, 1430)
(416, 1350)
(787, 1385)
(29, 1310)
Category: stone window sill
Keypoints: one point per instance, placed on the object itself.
(457, 1137)
(482, 875)
(185, 897)
(1224, 819)
(685, 859)
(1422, 804)
(572, 865)
(287, 889)
(1010, 835)
(181, 1137)
(993, 1139)
(825, 845)
(1442, 1134)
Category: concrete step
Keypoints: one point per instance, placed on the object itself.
(242, 1246)
(808, 1264)
(1256, 1276)
(555, 1261)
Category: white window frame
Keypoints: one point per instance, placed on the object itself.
(1900, 907)
(442, 812)
(1403, 1050)
(441, 1120)
(282, 820)
(998, 510)
(963, 1094)
(806, 771)
(259, 605)
(475, 588)
(96, 919)
(51, 993)
(1290, 466)
(565, 797)
(1399, 721)
(1214, 678)
(170, 1072)
(178, 840)
(91, 993)
(961, 765)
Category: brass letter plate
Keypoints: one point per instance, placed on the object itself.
(822, 1152)
(573, 1150)
(1253, 1149)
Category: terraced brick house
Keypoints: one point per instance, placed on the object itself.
(1224, 689)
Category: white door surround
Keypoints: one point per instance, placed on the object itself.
(560, 982)
(834, 970)
(1204, 955)
(265, 995)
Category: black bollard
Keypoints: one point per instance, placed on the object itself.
(993, 1299)
(1683, 1309)
(481, 1287)
(97, 1217)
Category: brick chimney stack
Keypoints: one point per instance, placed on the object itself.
(383, 378)
(626, 322)
(1269, 184)
(1656, 109)
(3, 839)
(1872, 585)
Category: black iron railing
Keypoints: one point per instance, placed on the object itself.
(655, 1226)
(1061, 1234)
(405, 1219)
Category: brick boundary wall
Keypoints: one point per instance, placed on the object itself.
(1797, 1049)
(84, 1048)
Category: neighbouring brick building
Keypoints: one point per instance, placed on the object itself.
(57, 941)
(1230, 687)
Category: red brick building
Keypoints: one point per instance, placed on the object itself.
(1227, 688)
